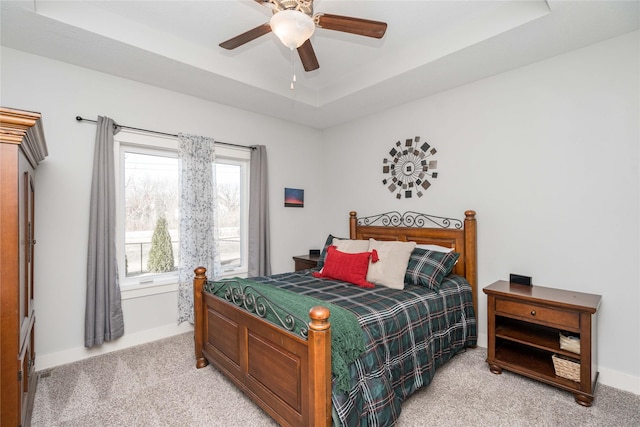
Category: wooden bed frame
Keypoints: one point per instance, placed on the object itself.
(288, 376)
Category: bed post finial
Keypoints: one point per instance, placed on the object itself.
(353, 222)
(200, 272)
(319, 316)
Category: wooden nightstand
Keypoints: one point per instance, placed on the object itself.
(524, 325)
(303, 262)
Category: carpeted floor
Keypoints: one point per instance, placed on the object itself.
(157, 384)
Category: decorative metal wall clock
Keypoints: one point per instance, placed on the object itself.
(408, 167)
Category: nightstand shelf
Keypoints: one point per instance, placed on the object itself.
(520, 358)
(524, 325)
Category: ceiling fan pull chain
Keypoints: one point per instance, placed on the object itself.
(293, 71)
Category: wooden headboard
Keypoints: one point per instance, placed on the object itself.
(461, 235)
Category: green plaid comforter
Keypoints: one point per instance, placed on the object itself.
(409, 334)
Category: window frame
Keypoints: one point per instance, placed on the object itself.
(157, 144)
(239, 157)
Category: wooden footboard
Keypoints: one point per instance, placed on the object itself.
(287, 376)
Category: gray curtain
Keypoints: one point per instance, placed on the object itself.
(259, 240)
(198, 232)
(103, 310)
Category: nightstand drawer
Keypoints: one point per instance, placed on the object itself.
(537, 313)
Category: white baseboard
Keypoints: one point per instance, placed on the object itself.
(50, 360)
(618, 380)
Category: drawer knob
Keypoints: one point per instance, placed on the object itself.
(533, 312)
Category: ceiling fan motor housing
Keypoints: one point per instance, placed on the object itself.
(304, 6)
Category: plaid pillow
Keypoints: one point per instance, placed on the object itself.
(428, 268)
(323, 253)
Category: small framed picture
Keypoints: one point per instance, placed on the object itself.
(293, 198)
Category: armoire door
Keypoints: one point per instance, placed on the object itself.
(26, 358)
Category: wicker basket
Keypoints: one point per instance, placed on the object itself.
(570, 342)
(566, 368)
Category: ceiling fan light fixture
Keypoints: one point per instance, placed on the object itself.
(292, 27)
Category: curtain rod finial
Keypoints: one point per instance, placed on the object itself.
(78, 118)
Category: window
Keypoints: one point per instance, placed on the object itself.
(151, 219)
(148, 212)
(232, 213)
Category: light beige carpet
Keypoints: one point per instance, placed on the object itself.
(157, 384)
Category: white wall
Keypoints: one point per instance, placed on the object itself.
(61, 92)
(548, 157)
(546, 154)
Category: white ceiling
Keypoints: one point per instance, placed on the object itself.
(430, 46)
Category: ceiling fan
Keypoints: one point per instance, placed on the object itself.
(293, 22)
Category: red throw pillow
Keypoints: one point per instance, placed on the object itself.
(350, 268)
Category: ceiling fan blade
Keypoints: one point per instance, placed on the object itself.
(308, 57)
(346, 24)
(246, 37)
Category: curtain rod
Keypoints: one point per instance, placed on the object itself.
(80, 119)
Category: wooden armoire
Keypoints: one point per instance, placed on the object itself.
(22, 147)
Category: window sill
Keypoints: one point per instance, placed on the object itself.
(138, 291)
(144, 290)
(234, 273)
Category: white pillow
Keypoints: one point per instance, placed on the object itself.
(393, 259)
(351, 246)
(435, 248)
